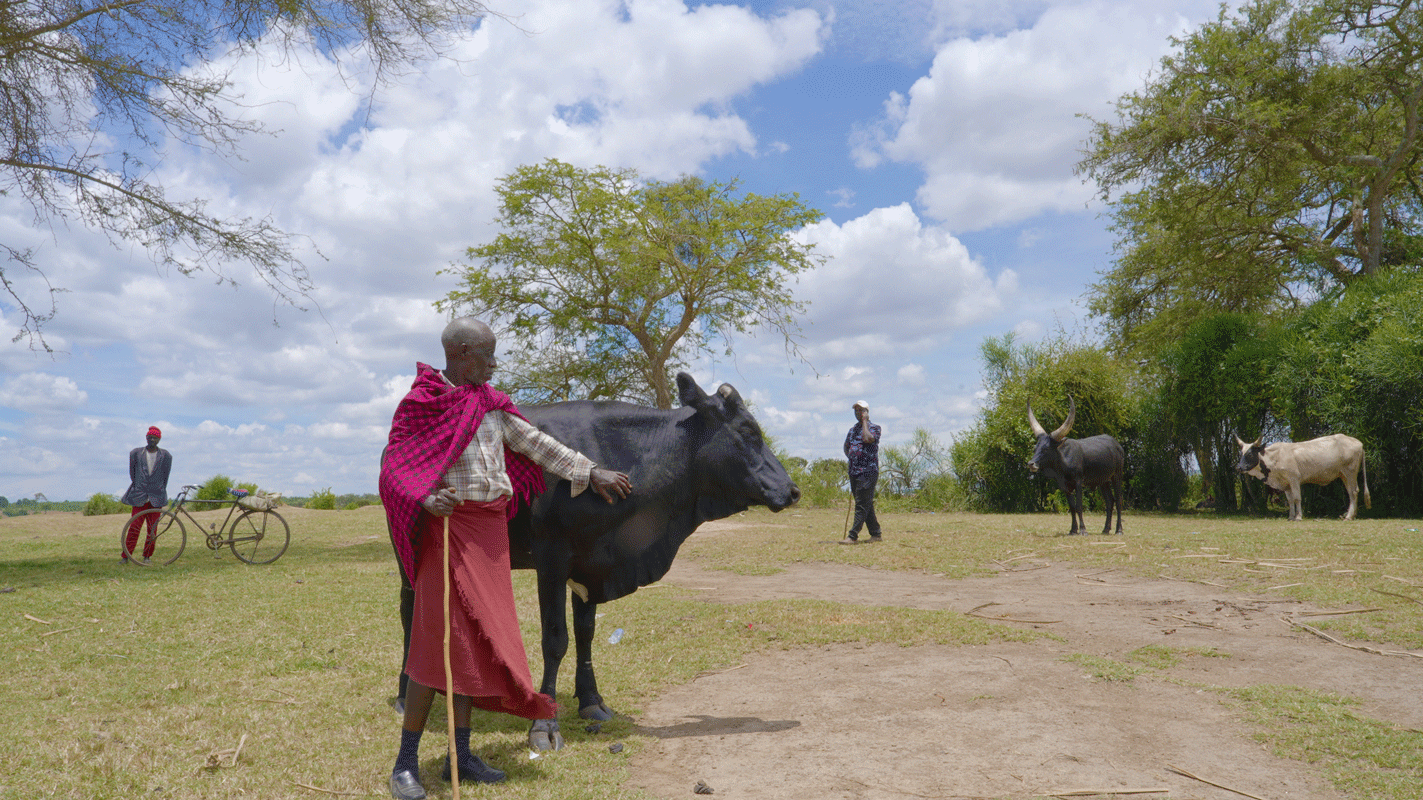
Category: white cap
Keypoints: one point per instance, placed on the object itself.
(861, 404)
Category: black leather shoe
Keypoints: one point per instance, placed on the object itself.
(478, 771)
(405, 785)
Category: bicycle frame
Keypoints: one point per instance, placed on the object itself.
(214, 533)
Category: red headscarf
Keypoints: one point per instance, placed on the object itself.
(153, 431)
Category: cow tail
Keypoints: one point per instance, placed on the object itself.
(1368, 503)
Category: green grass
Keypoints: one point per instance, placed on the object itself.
(126, 681)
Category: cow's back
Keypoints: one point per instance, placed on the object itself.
(1317, 461)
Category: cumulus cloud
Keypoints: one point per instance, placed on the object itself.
(40, 392)
(995, 124)
(937, 287)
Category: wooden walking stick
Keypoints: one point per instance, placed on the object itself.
(450, 676)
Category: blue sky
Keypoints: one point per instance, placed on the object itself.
(937, 137)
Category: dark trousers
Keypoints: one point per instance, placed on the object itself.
(862, 488)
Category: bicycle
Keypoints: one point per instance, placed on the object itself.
(256, 535)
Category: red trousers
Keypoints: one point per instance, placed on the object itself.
(131, 541)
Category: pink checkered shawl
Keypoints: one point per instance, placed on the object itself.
(432, 426)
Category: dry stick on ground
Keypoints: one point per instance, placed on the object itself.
(215, 758)
(1321, 634)
(326, 791)
(1370, 588)
(972, 613)
(1335, 613)
(710, 672)
(1095, 792)
(1212, 783)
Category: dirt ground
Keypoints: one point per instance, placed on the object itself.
(1005, 720)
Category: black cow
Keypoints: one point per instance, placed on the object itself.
(704, 461)
(1094, 462)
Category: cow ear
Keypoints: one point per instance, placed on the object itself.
(689, 393)
(730, 396)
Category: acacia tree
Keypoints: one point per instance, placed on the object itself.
(92, 90)
(1274, 157)
(601, 283)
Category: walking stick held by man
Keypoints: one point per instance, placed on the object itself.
(450, 675)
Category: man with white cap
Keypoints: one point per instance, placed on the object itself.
(862, 450)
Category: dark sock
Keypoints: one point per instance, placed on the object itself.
(409, 756)
(470, 766)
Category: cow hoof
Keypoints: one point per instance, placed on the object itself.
(596, 711)
(544, 735)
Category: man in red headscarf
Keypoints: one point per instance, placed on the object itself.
(459, 449)
(148, 469)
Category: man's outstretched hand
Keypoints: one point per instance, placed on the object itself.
(611, 486)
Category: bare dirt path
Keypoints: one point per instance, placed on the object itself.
(1005, 720)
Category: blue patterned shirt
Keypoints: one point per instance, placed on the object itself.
(864, 458)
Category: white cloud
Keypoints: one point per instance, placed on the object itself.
(892, 282)
(995, 123)
(40, 392)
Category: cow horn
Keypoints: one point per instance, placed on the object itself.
(1066, 427)
(1257, 442)
(1240, 441)
(1033, 422)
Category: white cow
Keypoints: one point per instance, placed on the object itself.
(1287, 465)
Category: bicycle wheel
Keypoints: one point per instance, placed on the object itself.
(154, 546)
(259, 537)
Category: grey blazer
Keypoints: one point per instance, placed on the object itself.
(145, 486)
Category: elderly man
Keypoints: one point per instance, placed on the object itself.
(148, 469)
(459, 449)
(862, 451)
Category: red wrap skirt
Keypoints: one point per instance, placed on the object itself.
(486, 649)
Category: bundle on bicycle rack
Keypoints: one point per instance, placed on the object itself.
(260, 501)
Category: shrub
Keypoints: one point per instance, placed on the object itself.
(322, 499)
(214, 489)
(100, 504)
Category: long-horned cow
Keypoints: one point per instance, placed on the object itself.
(1285, 466)
(1097, 462)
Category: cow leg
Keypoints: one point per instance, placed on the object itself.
(544, 733)
(1074, 506)
(1296, 502)
(1118, 490)
(585, 685)
(1108, 497)
(1351, 485)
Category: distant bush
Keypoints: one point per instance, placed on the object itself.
(100, 504)
(324, 500)
(214, 489)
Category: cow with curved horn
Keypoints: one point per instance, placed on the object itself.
(1284, 466)
(1095, 462)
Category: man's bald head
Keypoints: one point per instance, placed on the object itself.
(462, 331)
(469, 351)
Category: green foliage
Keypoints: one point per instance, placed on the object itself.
(214, 488)
(133, 72)
(100, 503)
(1272, 156)
(990, 458)
(822, 484)
(322, 499)
(601, 284)
(1214, 385)
(1353, 364)
(904, 468)
(4, 501)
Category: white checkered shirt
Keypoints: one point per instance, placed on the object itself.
(479, 475)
